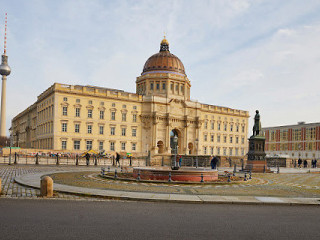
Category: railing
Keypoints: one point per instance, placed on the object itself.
(72, 161)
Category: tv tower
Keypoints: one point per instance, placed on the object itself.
(5, 70)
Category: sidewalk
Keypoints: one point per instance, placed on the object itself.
(33, 180)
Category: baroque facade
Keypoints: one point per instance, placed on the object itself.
(297, 141)
(77, 118)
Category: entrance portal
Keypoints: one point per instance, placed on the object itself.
(173, 133)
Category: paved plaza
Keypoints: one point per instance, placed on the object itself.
(295, 186)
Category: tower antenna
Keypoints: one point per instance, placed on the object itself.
(5, 36)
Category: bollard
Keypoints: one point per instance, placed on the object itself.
(138, 178)
(57, 163)
(102, 171)
(130, 161)
(0, 186)
(229, 180)
(278, 169)
(115, 174)
(37, 159)
(245, 177)
(201, 178)
(46, 189)
(169, 180)
(264, 169)
(15, 158)
(95, 161)
(234, 170)
(108, 169)
(250, 175)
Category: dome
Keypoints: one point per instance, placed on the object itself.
(164, 61)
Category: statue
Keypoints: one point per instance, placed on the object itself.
(257, 124)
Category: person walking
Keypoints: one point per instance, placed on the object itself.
(180, 160)
(299, 162)
(214, 162)
(305, 163)
(117, 159)
(87, 159)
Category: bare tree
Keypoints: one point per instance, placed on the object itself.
(4, 142)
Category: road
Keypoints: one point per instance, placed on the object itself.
(67, 219)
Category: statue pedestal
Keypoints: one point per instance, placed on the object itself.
(257, 166)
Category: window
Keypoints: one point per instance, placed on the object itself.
(224, 151)
(100, 146)
(90, 102)
(211, 150)
(219, 125)
(77, 100)
(243, 129)
(231, 128)
(89, 113)
(101, 103)
(76, 145)
(218, 150)
(225, 127)
(230, 151)
(171, 87)
(124, 117)
(230, 139)
(237, 139)
(124, 106)
(113, 104)
(182, 89)
(242, 140)
(151, 86)
(158, 86)
(163, 86)
(212, 138)
(205, 137)
(123, 146)
(65, 111)
(237, 128)
(64, 145)
(204, 150)
(123, 131)
(89, 145)
(218, 138)
(135, 107)
(111, 146)
(64, 127)
(65, 99)
(224, 139)
(177, 88)
(77, 112)
(113, 115)
(134, 117)
(237, 152)
(205, 125)
(134, 132)
(101, 114)
(77, 128)
(101, 128)
(112, 131)
(212, 125)
(89, 128)
(134, 146)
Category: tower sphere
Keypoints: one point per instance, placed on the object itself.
(5, 70)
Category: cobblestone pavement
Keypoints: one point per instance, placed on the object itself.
(273, 185)
(280, 185)
(10, 189)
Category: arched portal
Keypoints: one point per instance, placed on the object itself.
(160, 147)
(175, 132)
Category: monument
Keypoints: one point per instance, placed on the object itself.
(256, 155)
(4, 71)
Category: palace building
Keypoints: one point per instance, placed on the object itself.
(77, 118)
(301, 140)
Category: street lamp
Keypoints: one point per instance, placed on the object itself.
(175, 141)
(10, 130)
(196, 142)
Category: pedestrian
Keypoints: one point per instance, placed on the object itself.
(315, 163)
(214, 162)
(312, 163)
(87, 158)
(117, 159)
(180, 160)
(299, 162)
(305, 163)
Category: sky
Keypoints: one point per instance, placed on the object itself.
(243, 54)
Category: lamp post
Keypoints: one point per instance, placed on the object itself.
(196, 142)
(10, 130)
(175, 141)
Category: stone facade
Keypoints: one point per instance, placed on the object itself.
(77, 118)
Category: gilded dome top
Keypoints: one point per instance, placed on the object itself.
(164, 61)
